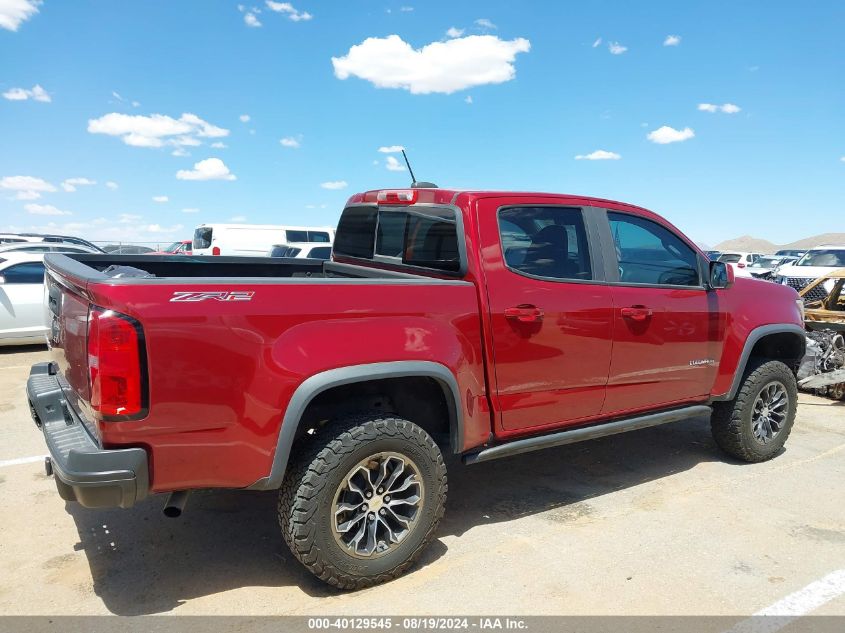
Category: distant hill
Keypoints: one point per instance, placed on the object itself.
(752, 244)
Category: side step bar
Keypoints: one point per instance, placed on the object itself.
(585, 433)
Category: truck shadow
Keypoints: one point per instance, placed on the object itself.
(144, 563)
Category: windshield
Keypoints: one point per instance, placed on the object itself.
(174, 247)
(730, 258)
(827, 257)
(765, 262)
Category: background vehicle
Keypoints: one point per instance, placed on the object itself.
(816, 262)
(127, 249)
(302, 251)
(485, 324)
(739, 261)
(46, 247)
(790, 252)
(22, 320)
(253, 239)
(182, 247)
(68, 239)
(766, 265)
(712, 255)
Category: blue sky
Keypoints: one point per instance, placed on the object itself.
(754, 94)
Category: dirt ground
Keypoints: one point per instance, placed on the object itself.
(651, 522)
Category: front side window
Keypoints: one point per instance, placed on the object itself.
(651, 254)
(28, 273)
(321, 252)
(549, 242)
(202, 237)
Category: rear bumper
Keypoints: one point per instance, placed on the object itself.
(84, 472)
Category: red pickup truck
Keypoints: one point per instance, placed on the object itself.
(482, 324)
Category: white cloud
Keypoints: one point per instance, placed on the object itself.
(406, 9)
(290, 141)
(208, 169)
(391, 149)
(105, 230)
(237, 218)
(180, 151)
(191, 210)
(219, 145)
(842, 159)
(129, 218)
(251, 20)
(44, 209)
(468, 99)
(443, 67)
(244, 118)
(597, 42)
(26, 187)
(727, 108)
(484, 23)
(37, 93)
(156, 130)
(14, 12)
(599, 154)
(616, 48)
(335, 184)
(111, 184)
(393, 165)
(71, 184)
(666, 134)
(288, 10)
(672, 40)
(454, 32)
(161, 199)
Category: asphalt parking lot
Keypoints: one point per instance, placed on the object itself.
(651, 522)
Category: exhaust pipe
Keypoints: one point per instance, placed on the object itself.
(175, 504)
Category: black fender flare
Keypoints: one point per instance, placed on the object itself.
(754, 337)
(318, 383)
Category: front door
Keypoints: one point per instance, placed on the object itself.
(550, 313)
(668, 328)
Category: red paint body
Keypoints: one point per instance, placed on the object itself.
(528, 355)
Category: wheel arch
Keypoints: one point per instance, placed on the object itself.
(783, 341)
(311, 388)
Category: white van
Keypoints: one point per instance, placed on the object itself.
(253, 240)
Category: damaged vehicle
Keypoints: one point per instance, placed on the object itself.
(816, 262)
(823, 368)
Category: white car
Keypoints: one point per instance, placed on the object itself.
(305, 250)
(815, 263)
(22, 317)
(739, 261)
(45, 247)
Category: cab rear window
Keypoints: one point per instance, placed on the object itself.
(421, 236)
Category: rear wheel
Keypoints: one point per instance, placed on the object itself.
(363, 499)
(755, 425)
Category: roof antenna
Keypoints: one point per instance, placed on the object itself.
(414, 183)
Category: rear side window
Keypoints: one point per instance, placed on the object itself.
(28, 273)
(417, 236)
(308, 236)
(651, 254)
(548, 242)
(202, 237)
(321, 252)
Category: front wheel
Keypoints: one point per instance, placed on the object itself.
(754, 425)
(359, 505)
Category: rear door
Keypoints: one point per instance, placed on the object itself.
(668, 329)
(22, 301)
(550, 311)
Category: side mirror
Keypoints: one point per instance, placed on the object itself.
(721, 275)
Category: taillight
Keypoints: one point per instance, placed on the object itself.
(398, 196)
(115, 364)
(740, 265)
(215, 250)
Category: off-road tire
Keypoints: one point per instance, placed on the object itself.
(731, 422)
(319, 464)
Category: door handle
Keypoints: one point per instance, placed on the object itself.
(636, 313)
(525, 313)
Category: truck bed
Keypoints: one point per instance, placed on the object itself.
(227, 340)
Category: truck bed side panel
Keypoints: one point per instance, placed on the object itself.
(222, 372)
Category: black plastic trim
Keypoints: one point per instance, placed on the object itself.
(580, 434)
(315, 385)
(84, 472)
